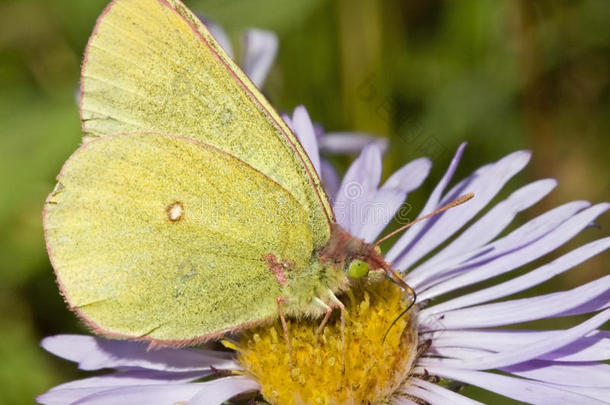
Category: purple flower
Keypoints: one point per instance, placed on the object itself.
(462, 336)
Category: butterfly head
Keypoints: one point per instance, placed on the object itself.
(358, 268)
(356, 257)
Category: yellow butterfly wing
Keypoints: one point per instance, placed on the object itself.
(163, 238)
(151, 65)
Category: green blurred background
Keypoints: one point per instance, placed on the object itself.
(428, 74)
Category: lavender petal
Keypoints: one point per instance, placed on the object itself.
(518, 310)
(435, 394)
(359, 186)
(93, 353)
(401, 246)
(583, 374)
(146, 394)
(303, 128)
(519, 257)
(224, 389)
(132, 377)
(410, 176)
(531, 392)
(523, 236)
(135, 394)
(595, 346)
(350, 142)
(601, 394)
(485, 184)
(215, 392)
(598, 303)
(381, 208)
(74, 391)
(525, 353)
(68, 396)
(493, 222)
(260, 49)
(288, 120)
(377, 213)
(330, 179)
(521, 283)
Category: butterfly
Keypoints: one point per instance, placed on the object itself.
(191, 209)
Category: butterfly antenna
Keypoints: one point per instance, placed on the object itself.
(403, 313)
(394, 277)
(454, 203)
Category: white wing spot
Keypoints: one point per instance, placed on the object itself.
(175, 211)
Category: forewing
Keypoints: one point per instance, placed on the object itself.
(152, 66)
(163, 238)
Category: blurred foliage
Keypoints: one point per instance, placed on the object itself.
(428, 74)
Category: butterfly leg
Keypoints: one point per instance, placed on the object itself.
(335, 303)
(328, 310)
(339, 304)
(280, 311)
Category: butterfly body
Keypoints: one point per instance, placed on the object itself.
(328, 271)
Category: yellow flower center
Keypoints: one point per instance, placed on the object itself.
(374, 368)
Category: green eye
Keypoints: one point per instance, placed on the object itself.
(358, 269)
